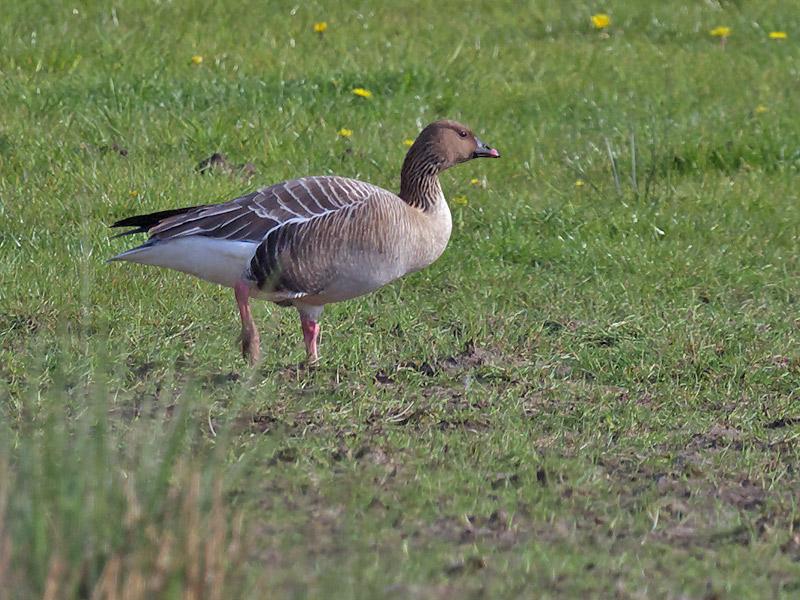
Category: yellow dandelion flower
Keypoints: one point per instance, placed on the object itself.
(474, 181)
(720, 32)
(601, 21)
(777, 35)
(320, 27)
(197, 59)
(134, 193)
(362, 92)
(579, 183)
(345, 133)
(460, 201)
(408, 142)
(760, 109)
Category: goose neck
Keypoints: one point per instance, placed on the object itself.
(419, 182)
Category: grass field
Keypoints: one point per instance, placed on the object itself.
(593, 393)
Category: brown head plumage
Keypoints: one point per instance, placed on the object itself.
(446, 143)
(439, 146)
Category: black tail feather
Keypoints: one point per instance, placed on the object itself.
(143, 223)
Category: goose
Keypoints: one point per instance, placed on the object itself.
(312, 241)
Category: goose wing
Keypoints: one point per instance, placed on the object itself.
(255, 216)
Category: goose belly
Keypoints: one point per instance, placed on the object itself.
(212, 259)
(364, 272)
(361, 276)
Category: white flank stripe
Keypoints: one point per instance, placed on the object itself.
(213, 259)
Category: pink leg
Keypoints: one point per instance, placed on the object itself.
(251, 344)
(310, 336)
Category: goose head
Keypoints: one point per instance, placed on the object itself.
(445, 143)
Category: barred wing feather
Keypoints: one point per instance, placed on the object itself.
(253, 217)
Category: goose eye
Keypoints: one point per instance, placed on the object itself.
(462, 133)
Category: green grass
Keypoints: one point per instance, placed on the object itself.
(592, 393)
